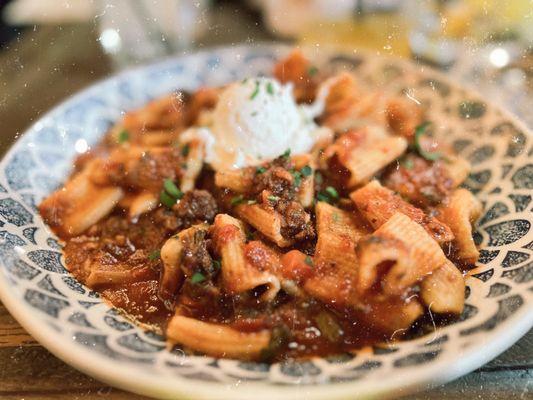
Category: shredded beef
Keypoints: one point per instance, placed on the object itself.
(153, 168)
(275, 178)
(196, 256)
(296, 222)
(195, 207)
(424, 183)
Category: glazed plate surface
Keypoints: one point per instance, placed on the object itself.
(78, 327)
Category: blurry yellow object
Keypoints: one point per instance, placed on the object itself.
(507, 11)
(480, 17)
(385, 33)
(456, 19)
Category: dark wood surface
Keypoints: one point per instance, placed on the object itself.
(37, 71)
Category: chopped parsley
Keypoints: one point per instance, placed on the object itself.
(197, 277)
(309, 261)
(172, 189)
(185, 150)
(123, 136)
(216, 265)
(154, 255)
(256, 91)
(306, 171)
(166, 199)
(236, 200)
(419, 132)
(328, 195)
(322, 197)
(287, 154)
(273, 198)
(270, 88)
(260, 170)
(297, 175)
(312, 70)
(332, 192)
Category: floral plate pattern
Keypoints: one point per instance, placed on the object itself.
(77, 326)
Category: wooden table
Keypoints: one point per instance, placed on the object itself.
(37, 71)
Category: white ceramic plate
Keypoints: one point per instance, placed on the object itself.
(74, 324)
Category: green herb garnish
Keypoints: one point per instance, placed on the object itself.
(260, 170)
(166, 199)
(236, 200)
(185, 150)
(172, 189)
(123, 136)
(216, 265)
(154, 255)
(197, 277)
(287, 154)
(270, 88)
(332, 192)
(297, 178)
(306, 171)
(312, 70)
(256, 91)
(309, 261)
(419, 132)
(273, 198)
(322, 197)
(328, 195)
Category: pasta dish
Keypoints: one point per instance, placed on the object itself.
(303, 214)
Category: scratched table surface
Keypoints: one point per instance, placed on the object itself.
(47, 64)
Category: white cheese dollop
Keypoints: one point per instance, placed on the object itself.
(257, 120)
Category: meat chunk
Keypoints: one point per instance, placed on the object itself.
(275, 178)
(195, 255)
(195, 207)
(277, 181)
(422, 182)
(296, 223)
(153, 168)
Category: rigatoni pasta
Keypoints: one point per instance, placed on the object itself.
(270, 219)
(420, 254)
(364, 152)
(217, 340)
(460, 212)
(443, 290)
(238, 274)
(378, 204)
